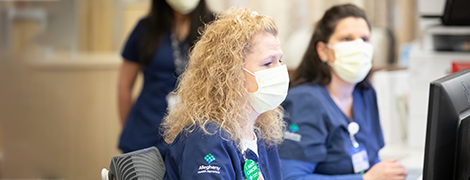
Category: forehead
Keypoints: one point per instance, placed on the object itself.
(264, 41)
(352, 25)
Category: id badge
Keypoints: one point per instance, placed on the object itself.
(359, 159)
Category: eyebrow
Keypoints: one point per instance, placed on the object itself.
(352, 35)
(274, 56)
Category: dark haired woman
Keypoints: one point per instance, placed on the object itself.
(158, 46)
(331, 109)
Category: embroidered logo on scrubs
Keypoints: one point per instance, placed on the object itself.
(209, 158)
(294, 127)
(209, 168)
(292, 135)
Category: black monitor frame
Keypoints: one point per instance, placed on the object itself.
(456, 6)
(462, 169)
(449, 104)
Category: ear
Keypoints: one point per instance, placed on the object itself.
(322, 51)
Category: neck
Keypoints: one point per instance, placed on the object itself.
(339, 88)
(181, 25)
(251, 124)
(180, 18)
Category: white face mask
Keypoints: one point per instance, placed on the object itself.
(272, 88)
(353, 60)
(183, 6)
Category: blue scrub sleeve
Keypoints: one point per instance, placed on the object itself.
(304, 110)
(298, 170)
(208, 157)
(131, 49)
(377, 160)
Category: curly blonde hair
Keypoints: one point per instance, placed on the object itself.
(212, 89)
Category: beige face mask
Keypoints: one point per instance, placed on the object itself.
(183, 6)
(272, 88)
(353, 60)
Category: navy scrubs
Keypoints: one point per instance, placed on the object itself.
(142, 126)
(321, 147)
(197, 155)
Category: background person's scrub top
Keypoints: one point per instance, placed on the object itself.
(324, 139)
(197, 155)
(142, 126)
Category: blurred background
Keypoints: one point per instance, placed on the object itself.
(59, 63)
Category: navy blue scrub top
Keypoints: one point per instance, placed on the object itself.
(197, 155)
(311, 113)
(142, 126)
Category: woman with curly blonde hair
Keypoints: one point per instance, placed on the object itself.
(227, 121)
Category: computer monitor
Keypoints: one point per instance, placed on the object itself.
(447, 138)
(456, 13)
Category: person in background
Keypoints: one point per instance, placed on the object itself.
(331, 109)
(158, 47)
(227, 121)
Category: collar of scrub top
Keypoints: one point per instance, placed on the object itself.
(353, 128)
(249, 154)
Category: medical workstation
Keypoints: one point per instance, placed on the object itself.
(235, 89)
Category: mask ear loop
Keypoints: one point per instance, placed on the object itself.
(249, 72)
(253, 75)
(331, 47)
(328, 63)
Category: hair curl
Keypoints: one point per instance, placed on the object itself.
(212, 89)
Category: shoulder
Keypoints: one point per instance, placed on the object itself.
(306, 111)
(366, 88)
(139, 28)
(141, 23)
(304, 93)
(202, 155)
(368, 94)
(135, 35)
(305, 96)
(209, 133)
(306, 89)
(208, 139)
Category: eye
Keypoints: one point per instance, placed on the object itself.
(366, 39)
(267, 64)
(346, 39)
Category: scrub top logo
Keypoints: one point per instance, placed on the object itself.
(294, 127)
(211, 169)
(292, 135)
(209, 158)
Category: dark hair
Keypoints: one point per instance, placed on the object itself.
(312, 69)
(160, 20)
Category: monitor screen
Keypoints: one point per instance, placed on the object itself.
(456, 12)
(449, 106)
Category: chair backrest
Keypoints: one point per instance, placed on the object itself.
(137, 165)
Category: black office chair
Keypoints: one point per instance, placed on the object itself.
(137, 165)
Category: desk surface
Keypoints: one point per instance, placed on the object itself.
(410, 157)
